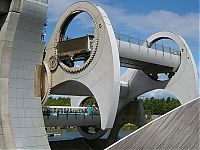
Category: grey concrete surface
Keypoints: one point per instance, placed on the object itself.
(177, 130)
(21, 48)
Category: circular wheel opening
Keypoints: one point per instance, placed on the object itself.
(76, 46)
(172, 49)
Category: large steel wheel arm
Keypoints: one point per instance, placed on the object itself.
(100, 74)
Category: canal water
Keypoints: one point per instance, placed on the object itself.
(70, 139)
(70, 134)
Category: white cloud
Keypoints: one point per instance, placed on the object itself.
(162, 20)
(159, 93)
(56, 7)
(154, 21)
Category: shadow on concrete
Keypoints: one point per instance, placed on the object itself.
(79, 144)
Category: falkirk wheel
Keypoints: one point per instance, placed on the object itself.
(29, 71)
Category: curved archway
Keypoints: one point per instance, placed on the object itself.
(89, 101)
(185, 52)
(167, 38)
(91, 132)
(187, 68)
(71, 87)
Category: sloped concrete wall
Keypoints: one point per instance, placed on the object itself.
(178, 129)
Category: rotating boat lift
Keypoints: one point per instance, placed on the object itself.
(21, 49)
(103, 54)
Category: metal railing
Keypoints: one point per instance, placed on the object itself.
(69, 111)
(140, 42)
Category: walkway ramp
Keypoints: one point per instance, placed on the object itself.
(177, 129)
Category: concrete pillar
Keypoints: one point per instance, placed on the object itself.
(131, 113)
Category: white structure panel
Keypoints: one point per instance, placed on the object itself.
(148, 55)
(93, 76)
(22, 50)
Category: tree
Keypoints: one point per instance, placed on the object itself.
(60, 101)
(161, 106)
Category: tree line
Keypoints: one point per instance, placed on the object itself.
(152, 106)
(155, 106)
(60, 101)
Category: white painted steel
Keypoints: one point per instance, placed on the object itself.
(91, 79)
(148, 58)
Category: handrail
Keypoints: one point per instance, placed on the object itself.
(64, 107)
(140, 42)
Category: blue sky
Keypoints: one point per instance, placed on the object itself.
(141, 19)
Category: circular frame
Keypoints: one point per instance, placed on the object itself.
(84, 130)
(63, 29)
(181, 44)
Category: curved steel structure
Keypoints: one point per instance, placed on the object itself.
(22, 56)
(74, 80)
(99, 76)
